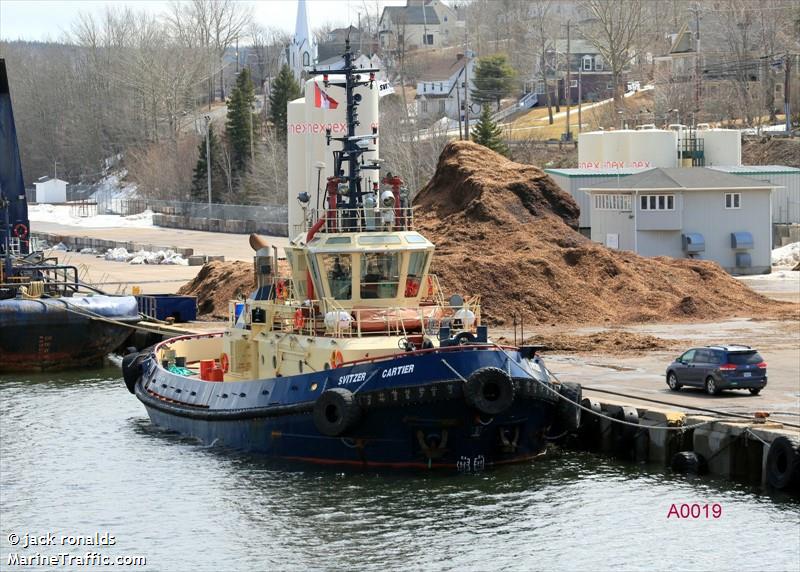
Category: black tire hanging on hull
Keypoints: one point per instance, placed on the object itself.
(568, 412)
(336, 412)
(783, 463)
(490, 390)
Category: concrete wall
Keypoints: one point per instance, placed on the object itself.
(705, 212)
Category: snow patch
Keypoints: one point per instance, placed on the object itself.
(146, 257)
(788, 255)
(66, 215)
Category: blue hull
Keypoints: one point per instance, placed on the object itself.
(56, 333)
(414, 412)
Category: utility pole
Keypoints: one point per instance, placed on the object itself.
(580, 96)
(250, 122)
(787, 108)
(467, 57)
(458, 106)
(697, 73)
(208, 159)
(567, 88)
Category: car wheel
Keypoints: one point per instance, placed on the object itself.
(755, 390)
(711, 386)
(672, 381)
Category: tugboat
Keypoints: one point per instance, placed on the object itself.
(356, 359)
(49, 319)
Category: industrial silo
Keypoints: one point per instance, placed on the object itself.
(616, 148)
(590, 150)
(721, 146)
(653, 148)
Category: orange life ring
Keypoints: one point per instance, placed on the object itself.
(224, 362)
(280, 290)
(336, 359)
(299, 319)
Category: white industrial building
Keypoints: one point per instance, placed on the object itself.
(698, 213)
(50, 190)
(785, 197)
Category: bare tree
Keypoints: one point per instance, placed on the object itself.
(612, 28)
(543, 28)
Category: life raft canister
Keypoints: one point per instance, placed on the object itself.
(336, 411)
(490, 390)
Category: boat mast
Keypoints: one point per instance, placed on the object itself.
(353, 146)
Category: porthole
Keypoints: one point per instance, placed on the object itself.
(313, 387)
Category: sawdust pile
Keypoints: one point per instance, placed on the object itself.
(216, 284)
(611, 342)
(506, 231)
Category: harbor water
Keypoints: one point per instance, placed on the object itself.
(79, 458)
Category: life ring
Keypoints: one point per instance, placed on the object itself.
(224, 362)
(299, 319)
(490, 390)
(336, 411)
(280, 290)
(412, 287)
(20, 230)
(336, 359)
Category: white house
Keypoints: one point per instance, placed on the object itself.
(420, 24)
(50, 190)
(442, 88)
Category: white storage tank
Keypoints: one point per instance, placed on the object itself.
(590, 150)
(307, 146)
(653, 148)
(721, 146)
(628, 149)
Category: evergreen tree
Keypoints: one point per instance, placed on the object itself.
(494, 79)
(199, 191)
(284, 90)
(242, 124)
(487, 133)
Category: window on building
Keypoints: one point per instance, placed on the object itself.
(573, 83)
(657, 202)
(423, 106)
(427, 39)
(442, 103)
(306, 59)
(612, 202)
(598, 63)
(587, 63)
(539, 87)
(609, 86)
(733, 200)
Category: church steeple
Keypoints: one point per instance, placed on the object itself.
(303, 50)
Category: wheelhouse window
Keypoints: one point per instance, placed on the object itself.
(733, 200)
(416, 266)
(657, 202)
(380, 274)
(337, 270)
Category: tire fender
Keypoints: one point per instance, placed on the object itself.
(490, 390)
(568, 412)
(783, 463)
(336, 412)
